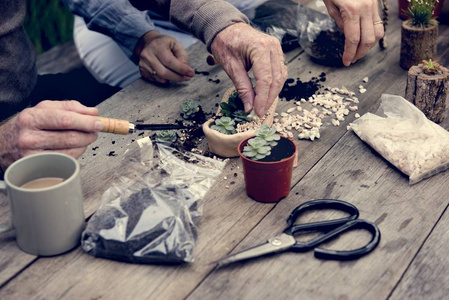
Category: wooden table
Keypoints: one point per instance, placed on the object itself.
(411, 261)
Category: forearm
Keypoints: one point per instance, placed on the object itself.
(203, 18)
(117, 19)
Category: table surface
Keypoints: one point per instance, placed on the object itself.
(411, 260)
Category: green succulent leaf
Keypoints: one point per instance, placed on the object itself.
(224, 125)
(189, 108)
(268, 134)
(166, 136)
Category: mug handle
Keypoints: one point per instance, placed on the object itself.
(8, 225)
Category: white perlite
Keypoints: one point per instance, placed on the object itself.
(405, 137)
(336, 103)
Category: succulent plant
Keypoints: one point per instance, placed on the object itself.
(430, 66)
(189, 108)
(421, 12)
(224, 125)
(166, 136)
(268, 134)
(256, 148)
(234, 108)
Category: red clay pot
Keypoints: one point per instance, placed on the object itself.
(403, 5)
(267, 182)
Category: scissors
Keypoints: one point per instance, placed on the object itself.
(331, 228)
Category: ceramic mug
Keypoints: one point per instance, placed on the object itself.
(47, 220)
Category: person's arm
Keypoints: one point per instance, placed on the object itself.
(62, 126)
(236, 46)
(117, 19)
(361, 24)
(160, 57)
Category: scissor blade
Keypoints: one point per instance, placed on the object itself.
(277, 244)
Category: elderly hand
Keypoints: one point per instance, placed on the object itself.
(63, 126)
(238, 48)
(162, 58)
(361, 24)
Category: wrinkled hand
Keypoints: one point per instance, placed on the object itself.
(162, 58)
(62, 126)
(238, 48)
(357, 20)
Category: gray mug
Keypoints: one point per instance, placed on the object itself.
(47, 221)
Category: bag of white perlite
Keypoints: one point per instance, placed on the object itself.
(403, 135)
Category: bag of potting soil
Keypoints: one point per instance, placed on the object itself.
(403, 135)
(151, 210)
(318, 34)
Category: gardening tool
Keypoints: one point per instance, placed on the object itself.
(125, 127)
(331, 229)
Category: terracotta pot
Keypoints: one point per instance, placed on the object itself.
(417, 44)
(268, 181)
(403, 5)
(225, 145)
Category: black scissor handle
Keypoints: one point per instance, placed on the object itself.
(347, 254)
(321, 204)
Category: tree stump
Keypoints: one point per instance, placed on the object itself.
(428, 92)
(417, 44)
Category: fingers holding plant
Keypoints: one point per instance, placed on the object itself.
(238, 48)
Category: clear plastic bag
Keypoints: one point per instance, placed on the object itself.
(151, 210)
(403, 135)
(277, 18)
(318, 34)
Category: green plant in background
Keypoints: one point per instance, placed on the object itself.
(224, 125)
(257, 148)
(268, 134)
(166, 136)
(189, 108)
(430, 67)
(48, 23)
(421, 11)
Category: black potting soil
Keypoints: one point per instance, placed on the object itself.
(328, 48)
(296, 90)
(202, 72)
(283, 149)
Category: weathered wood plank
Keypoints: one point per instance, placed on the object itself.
(59, 59)
(228, 214)
(352, 172)
(427, 277)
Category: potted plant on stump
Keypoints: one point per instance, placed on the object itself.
(427, 88)
(267, 164)
(419, 34)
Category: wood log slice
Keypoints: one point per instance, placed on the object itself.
(428, 92)
(417, 44)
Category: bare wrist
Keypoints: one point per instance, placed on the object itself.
(144, 40)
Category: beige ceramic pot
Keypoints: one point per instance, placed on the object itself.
(225, 145)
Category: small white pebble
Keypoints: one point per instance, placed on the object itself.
(365, 79)
(284, 114)
(362, 91)
(348, 127)
(290, 110)
(335, 122)
(225, 178)
(353, 108)
(357, 115)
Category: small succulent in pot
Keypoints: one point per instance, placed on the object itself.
(234, 108)
(189, 108)
(166, 136)
(257, 148)
(430, 67)
(268, 134)
(224, 125)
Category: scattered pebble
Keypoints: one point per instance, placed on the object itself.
(365, 79)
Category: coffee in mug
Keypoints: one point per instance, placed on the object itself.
(41, 183)
(46, 203)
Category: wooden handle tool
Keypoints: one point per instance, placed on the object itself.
(117, 126)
